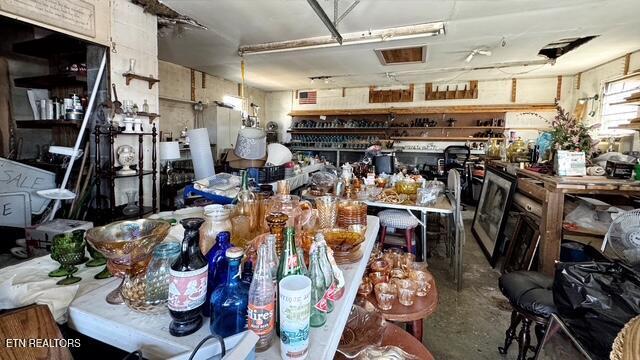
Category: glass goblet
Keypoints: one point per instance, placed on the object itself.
(68, 249)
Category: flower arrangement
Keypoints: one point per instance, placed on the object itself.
(570, 134)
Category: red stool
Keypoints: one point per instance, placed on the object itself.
(401, 220)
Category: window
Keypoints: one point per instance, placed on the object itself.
(614, 111)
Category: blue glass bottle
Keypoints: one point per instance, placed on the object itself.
(217, 267)
(229, 301)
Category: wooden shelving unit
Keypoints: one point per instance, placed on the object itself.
(442, 138)
(132, 76)
(47, 124)
(52, 81)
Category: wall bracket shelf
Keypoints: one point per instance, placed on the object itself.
(131, 76)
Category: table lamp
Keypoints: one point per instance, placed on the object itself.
(169, 150)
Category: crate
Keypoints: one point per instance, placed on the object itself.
(264, 174)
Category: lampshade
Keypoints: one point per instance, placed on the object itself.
(169, 150)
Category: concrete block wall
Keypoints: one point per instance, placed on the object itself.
(175, 94)
(134, 36)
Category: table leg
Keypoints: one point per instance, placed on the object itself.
(416, 327)
(424, 235)
(551, 230)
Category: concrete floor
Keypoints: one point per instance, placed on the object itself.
(469, 324)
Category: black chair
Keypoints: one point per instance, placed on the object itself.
(531, 297)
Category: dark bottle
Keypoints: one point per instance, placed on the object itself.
(230, 300)
(217, 267)
(188, 284)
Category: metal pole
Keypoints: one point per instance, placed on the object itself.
(325, 19)
(83, 127)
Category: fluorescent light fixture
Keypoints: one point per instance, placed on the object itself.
(233, 101)
(355, 38)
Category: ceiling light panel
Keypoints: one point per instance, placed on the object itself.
(403, 55)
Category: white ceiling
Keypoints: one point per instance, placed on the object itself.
(526, 25)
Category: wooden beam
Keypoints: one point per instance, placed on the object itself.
(462, 109)
(627, 59)
(551, 230)
(296, 94)
(239, 89)
(344, 91)
(559, 88)
(514, 85)
(193, 85)
(204, 80)
(578, 77)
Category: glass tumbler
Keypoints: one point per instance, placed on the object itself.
(406, 291)
(157, 289)
(422, 282)
(385, 295)
(327, 211)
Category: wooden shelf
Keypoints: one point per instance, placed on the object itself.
(46, 124)
(336, 130)
(151, 116)
(52, 81)
(51, 46)
(445, 127)
(628, 102)
(149, 79)
(441, 138)
(461, 109)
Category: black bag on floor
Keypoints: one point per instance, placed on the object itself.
(596, 299)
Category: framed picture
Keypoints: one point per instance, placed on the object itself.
(490, 217)
(523, 245)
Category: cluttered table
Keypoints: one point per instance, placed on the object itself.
(121, 327)
(550, 191)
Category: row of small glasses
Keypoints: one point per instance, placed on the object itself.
(395, 274)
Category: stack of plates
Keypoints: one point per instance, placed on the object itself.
(351, 212)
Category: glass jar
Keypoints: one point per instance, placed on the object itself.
(217, 219)
(517, 151)
(157, 278)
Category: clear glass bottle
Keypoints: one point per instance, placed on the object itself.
(229, 301)
(188, 286)
(158, 272)
(145, 106)
(318, 300)
(216, 220)
(217, 266)
(261, 313)
(327, 272)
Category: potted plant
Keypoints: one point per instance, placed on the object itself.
(571, 142)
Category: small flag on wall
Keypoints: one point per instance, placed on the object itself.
(307, 97)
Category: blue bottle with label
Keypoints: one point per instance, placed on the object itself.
(217, 266)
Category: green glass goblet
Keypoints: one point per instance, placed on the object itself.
(56, 252)
(68, 250)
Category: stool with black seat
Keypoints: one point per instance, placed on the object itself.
(399, 220)
(531, 297)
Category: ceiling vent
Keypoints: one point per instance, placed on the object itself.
(401, 56)
(558, 48)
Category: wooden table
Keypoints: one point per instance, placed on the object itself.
(422, 308)
(394, 335)
(550, 191)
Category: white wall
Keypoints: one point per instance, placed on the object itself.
(134, 35)
(494, 92)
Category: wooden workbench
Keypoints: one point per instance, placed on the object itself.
(550, 191)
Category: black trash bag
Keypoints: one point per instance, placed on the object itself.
(596, 299)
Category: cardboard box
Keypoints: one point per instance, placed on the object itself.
(619, 169)
(570, 163)
(39, 237)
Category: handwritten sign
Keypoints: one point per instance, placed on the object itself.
(74, 15)
(15, 209)
(17, 177)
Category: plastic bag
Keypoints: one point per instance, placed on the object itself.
(595, 300)
(430, 193)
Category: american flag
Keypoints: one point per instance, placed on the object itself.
(307, 97)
